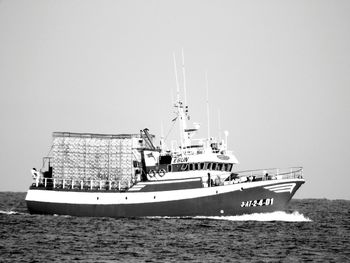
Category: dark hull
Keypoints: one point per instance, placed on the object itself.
(230, 203)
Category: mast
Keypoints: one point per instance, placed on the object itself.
(184, 77)
(186, 135)
(162, 146)
(208, 119)
(180, 108)
(177, 81)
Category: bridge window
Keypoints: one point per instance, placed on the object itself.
(214, 165)
(202, 166)
(184, 167)
(196, 166)
(209, 166)
(219, 166)
(177, 167)
(169, 168)
(224, 167)
(191, 166)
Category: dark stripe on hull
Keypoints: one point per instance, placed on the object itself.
(216, 205)
(172, 186)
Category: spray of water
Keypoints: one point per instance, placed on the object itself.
(8, 212)
(274, 216)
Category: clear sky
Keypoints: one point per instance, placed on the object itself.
(279, 72)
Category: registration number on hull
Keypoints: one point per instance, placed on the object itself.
(259, 202)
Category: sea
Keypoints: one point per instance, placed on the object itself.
(314, 230)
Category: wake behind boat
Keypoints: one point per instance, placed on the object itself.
(126, 175)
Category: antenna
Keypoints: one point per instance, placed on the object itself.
(184, 75)
(177, 81)
(162, 137)
(207, 86)
(219, 118)
(178, 104)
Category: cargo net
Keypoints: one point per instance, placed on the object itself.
(89, 158)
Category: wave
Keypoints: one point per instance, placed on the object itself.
(12, 212)
(9, 212)
(273, 216)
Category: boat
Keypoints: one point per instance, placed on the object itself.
(127, 175)
(134, 178)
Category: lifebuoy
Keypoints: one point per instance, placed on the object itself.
(161, 172)
(151, 173)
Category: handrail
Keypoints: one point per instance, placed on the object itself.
(81, 184)
(271, 173)
(271, 169)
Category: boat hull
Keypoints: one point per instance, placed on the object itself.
(244, 198)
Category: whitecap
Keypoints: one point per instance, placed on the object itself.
(273, 216)
(8, 212)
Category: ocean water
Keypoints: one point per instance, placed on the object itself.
(310, 230)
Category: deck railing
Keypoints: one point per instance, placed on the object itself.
(268, 174)
(71, 184)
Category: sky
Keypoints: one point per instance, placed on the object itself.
(278, 73)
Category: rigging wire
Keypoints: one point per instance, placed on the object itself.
(171, 128)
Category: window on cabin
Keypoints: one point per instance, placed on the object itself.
(191, 166)
(177, 167)
(213, 166)
(184, 167)
(224, 167)
(208, 166)
(196, 166)
(169, 168)
(220, 166)
(229, 167)
(202, 166)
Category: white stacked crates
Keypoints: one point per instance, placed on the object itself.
(94, 157)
